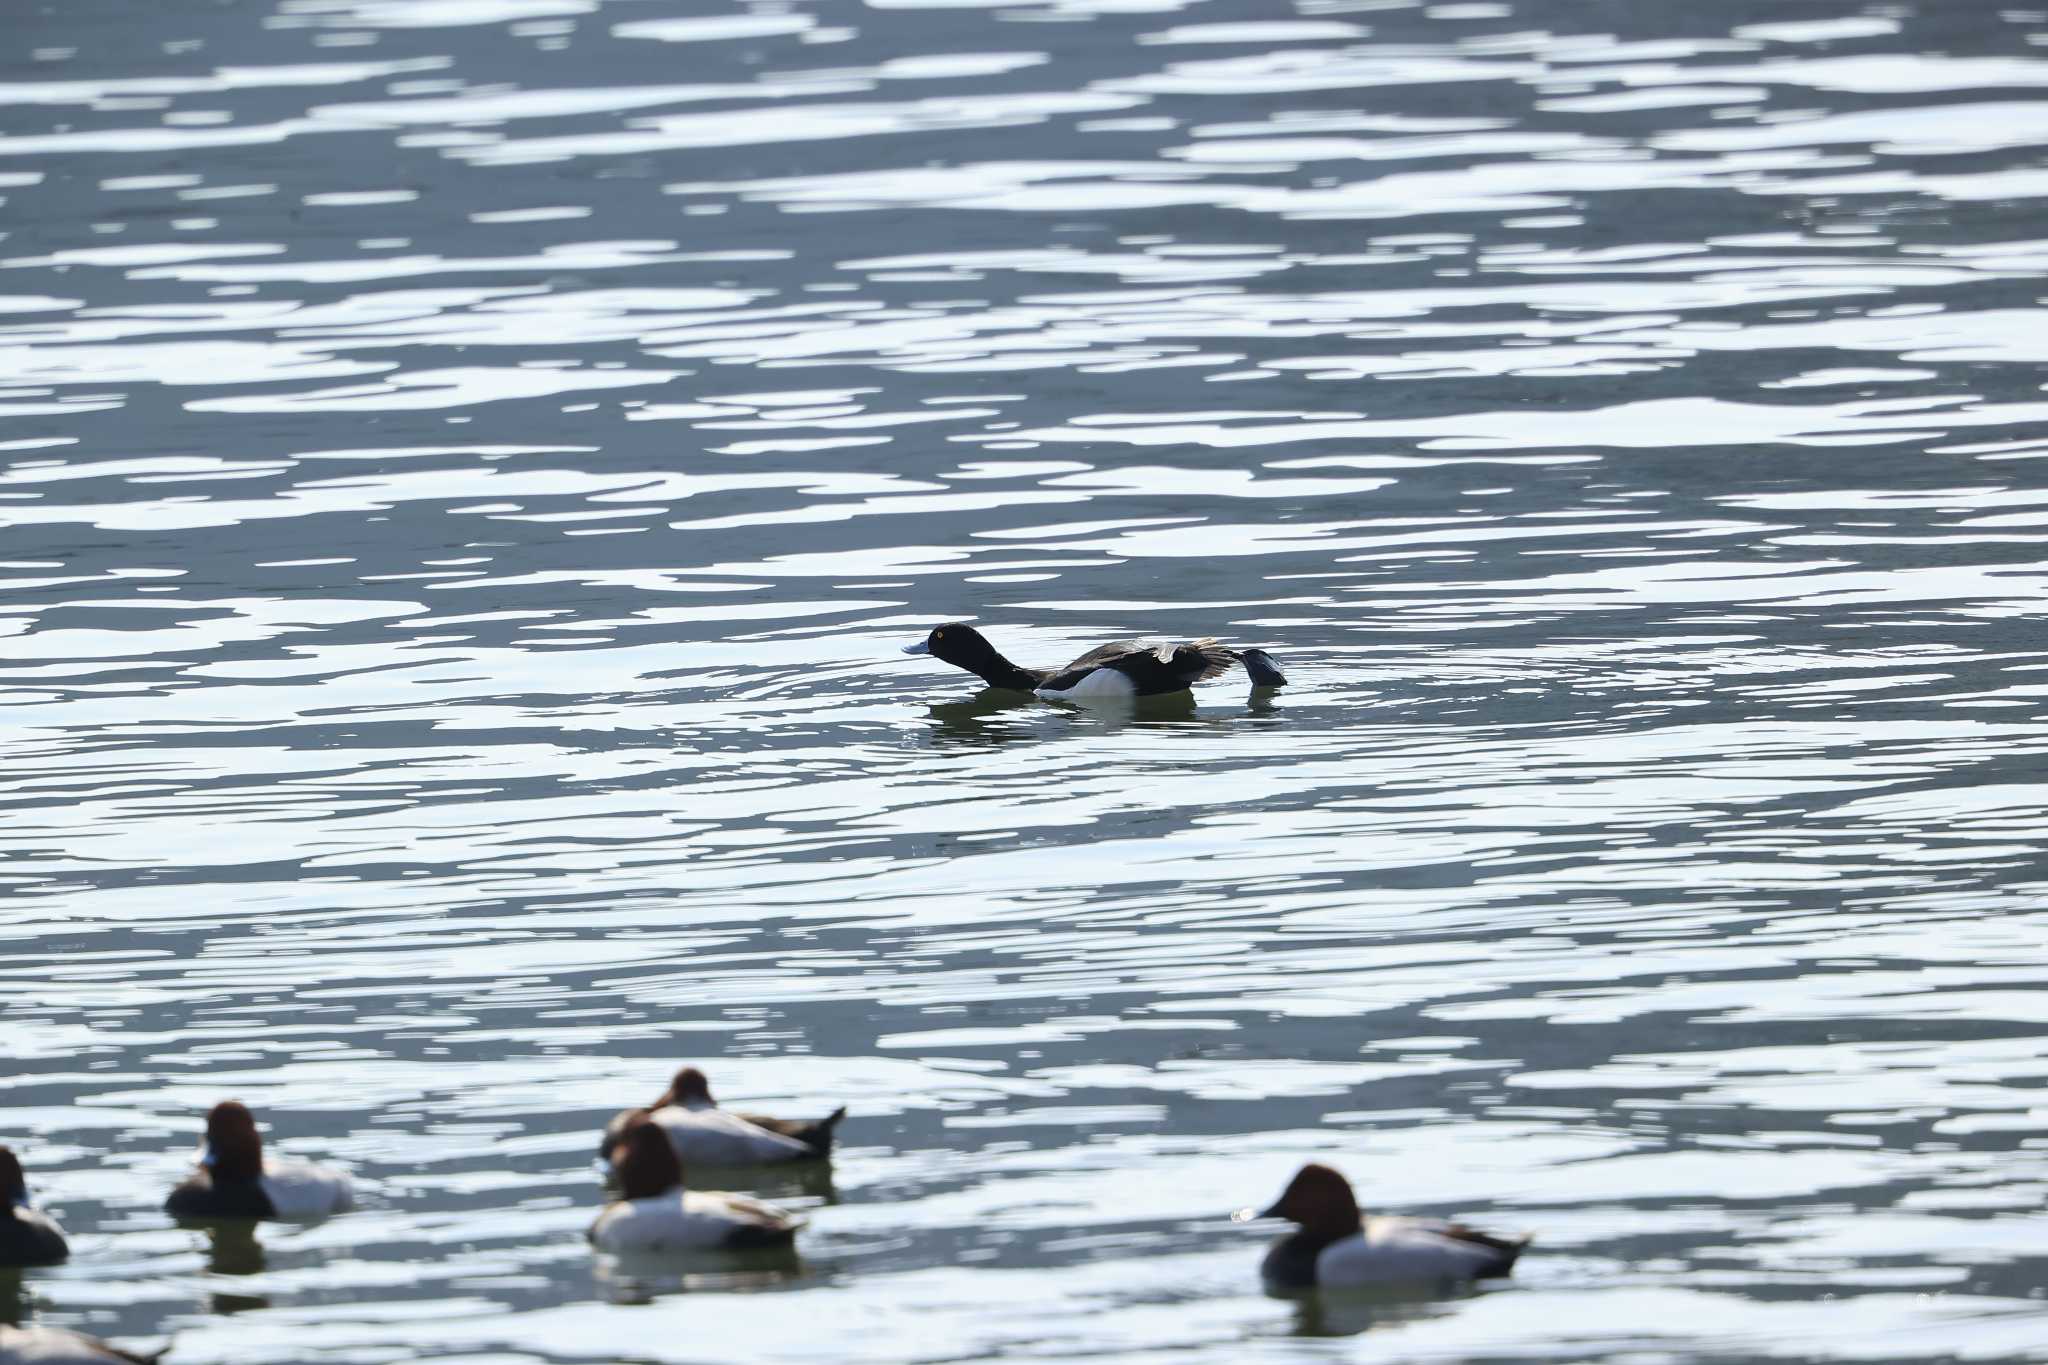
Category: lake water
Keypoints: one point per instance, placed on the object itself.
(470, 465)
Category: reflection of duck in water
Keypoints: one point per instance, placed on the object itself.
(235, 1180)
(995, 715)
(1117, 672)
(1361, 1310)
(232, 1249)
(27, 1235)
(704, 1134)
(55, 1346)
(1337, 1247)
(655, 1213)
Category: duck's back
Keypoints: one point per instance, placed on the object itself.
(692, 1220)
(709, 1136)
(31, 1237)
(55, 1346)
(1130, 668)
(299, 1189)
(1391, 1249)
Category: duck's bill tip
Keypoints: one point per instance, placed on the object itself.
(921, 647)
(1247, 1216)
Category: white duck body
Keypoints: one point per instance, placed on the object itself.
(1104, 684)
(1388, 1249)
(702, 1134)
(300, 1189)
(55, 1346)
(691, 1220)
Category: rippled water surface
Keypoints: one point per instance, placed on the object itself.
(469, 465)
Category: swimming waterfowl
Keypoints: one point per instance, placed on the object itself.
(1339, 1248)
(1123, 670)
(704, 1134)
(55, 1346)
(234, 1179)
(27, 1235)
(656, 1213)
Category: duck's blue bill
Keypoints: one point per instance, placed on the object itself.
(206, 1156)
(921, 647)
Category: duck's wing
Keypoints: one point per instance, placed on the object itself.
(1153, 668)
(1212, 658)
(748, 1222)
(815, 1134)
(1436, 1247)
(1109, 653)
(1510, 1247)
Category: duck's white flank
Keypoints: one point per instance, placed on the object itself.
(685, 1220)
(299, 1189)
(1391, 1249)
(705, 1135)
(1104, 684)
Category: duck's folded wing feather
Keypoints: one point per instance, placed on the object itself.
(1460, 1232)
(1152, 668)
(1109, 653)
(1398, 1247)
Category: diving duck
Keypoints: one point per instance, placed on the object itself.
(704, 1134)
(1339, 1248)
(655, 1213)
(27, 1236)
(1118, 671)
(234, 1179)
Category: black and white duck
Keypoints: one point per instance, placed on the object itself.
(1121, 671)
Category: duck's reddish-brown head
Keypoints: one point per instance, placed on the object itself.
(234, 1151)
(1318, 1198)
(13, 1184)
(645, 1162)
(688, 1087)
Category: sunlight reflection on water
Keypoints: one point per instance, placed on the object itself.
(471, 465)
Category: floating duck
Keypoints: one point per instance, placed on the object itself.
(27, 1235)
(55, 1346)
(655, 1213)
(234, 1179)
(1108, 672)
(703, 1134)
(1339, 1248)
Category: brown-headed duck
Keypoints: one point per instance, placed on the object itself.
(705, 1135)
(27, 1235)
(234, 1179)
(655, 1213)
(1340, 1248)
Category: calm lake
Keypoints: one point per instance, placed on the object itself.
(468, 470)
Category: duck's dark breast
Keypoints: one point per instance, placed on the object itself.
(201, 1196)
(1291, 1264)
(31, 1239)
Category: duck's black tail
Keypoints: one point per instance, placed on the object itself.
(815, 1134)
(1264, 672)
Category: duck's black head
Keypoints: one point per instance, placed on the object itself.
(962, 646)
